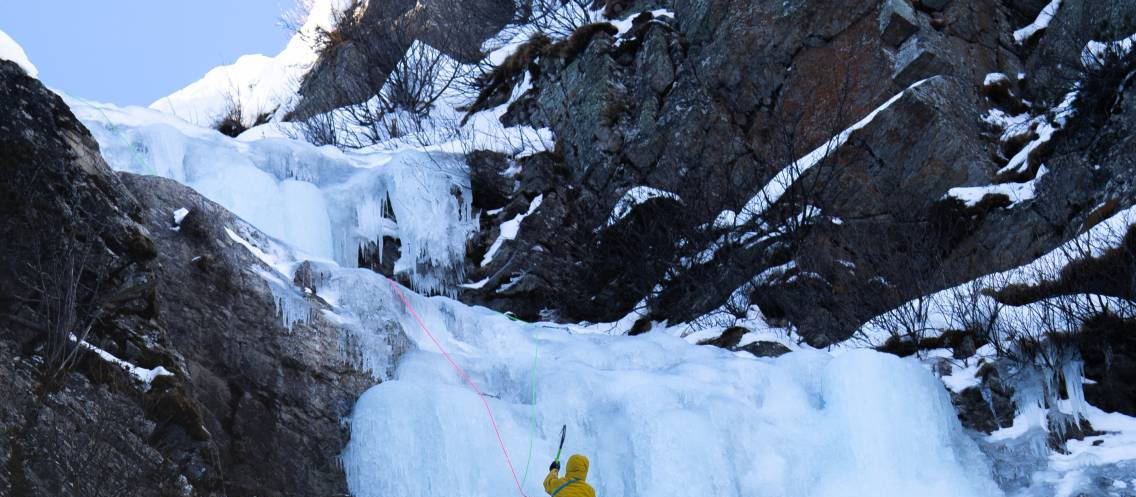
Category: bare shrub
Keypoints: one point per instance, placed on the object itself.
(65, 283)
(293, 18)
(346, 26)
(559, 18)
(401, 105)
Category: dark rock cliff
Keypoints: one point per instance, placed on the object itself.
(711, 103)
(247, 407)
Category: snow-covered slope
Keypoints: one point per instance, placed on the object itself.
(10, 50)
(254, 84)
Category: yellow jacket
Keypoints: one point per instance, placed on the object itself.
(577, 470)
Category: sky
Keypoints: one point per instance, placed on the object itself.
(132, 52)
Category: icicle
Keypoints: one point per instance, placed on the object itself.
(990, 403)
(1074, 374)
(291, 307)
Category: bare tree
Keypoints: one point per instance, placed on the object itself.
(559, 18)
(65, 285)
(969, 308)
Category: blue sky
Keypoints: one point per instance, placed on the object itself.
(136, 51)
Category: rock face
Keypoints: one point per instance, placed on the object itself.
(272, 397)
(897, 22)
(711, 103)
(356, 60)
(241, 404)
(64, 218)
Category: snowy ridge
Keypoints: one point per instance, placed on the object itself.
(255, 84)
(756, 206)
(10, 50)
(509, 230)
(1108, 233)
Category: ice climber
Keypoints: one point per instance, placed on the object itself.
(573, 484)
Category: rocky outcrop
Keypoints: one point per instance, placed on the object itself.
(190, 384)
(710, 103)
(731, 337)
(372, 38)
(71, 241)
(273, 397)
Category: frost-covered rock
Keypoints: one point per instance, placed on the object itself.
(626, 115)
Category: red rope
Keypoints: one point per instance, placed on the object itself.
(464, 376)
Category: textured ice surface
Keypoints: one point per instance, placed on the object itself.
(320, 201)
(656, 415)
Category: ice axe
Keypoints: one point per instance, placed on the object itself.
(563, 430)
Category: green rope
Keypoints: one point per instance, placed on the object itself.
(532, 430)
(110, 124)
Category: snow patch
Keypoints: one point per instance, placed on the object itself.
(10, 50)
(995, 78)
(1042, 22)
(1017, 192)
(179, 216)
(144, 376)
(509, 230)
(1096, 52)
(1045, 129)
(634, 197)
(624, 25)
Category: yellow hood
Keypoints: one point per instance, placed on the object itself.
(577, 467)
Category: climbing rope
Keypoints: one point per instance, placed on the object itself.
(465, 377)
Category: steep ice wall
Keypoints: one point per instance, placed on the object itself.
(321, 201)
(656, 416)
